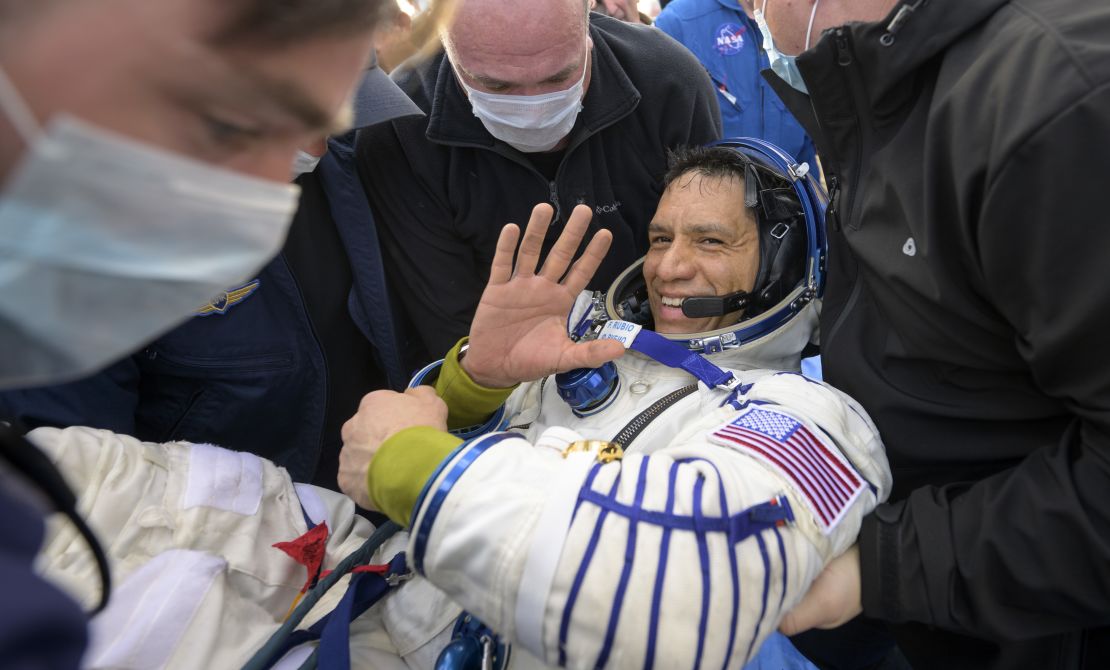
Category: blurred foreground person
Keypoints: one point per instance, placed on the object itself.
(145, 150)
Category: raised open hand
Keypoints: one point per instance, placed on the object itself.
(519, 332)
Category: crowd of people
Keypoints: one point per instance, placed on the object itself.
(260, 302)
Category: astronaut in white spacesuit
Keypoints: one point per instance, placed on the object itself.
(664, 507)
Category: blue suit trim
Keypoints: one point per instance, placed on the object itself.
(733, 567)
(766, 589)
(473, 449)
(661, 572)
(703, 556)
(782, 557)
(739, 526)
(587, 558)
(626, 572)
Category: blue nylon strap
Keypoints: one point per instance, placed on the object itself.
(674, 355)
(334, 628)
(335, 638)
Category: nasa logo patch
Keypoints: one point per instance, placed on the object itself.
(729, 39)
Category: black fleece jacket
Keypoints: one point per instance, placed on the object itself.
(442, 187)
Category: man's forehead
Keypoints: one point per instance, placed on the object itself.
(513, 34)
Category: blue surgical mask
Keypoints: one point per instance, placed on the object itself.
(107, 242)
(781, 64)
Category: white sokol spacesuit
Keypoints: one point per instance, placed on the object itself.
(740, 479)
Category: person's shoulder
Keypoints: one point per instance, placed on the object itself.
(418, 77)
(1032, 61)
(1067, 28)
(685, 11)
(640, 50)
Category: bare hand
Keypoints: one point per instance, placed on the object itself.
(519, 332)
(379, 416)
(832, 600)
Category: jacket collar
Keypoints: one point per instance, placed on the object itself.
(611, 96)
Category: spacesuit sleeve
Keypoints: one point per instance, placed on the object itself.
(468, 403)
(709, 539)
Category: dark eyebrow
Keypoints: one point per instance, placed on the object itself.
(562, 75)
(712, 228)
(707, 228)
(488, 82)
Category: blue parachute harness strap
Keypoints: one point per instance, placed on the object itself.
(674, 355)
(277, 645)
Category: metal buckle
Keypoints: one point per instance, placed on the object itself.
(395, 579)
(604, 451)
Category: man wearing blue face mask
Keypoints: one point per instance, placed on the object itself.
(533, 101)
(131, 187)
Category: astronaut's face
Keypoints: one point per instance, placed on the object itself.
(703, 242)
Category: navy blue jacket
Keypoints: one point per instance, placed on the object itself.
(40, 627)
(250, 373)
(728, 45)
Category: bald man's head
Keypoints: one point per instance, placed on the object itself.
(528, 47)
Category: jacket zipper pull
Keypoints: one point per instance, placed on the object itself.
(843, 55)
(832, 213)
(555, 202)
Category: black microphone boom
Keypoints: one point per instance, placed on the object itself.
(702, 306)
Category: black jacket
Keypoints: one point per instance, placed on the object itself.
(442, 187)
(968, 151)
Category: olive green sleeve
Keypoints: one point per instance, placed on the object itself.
(468, 403)
(402, 466)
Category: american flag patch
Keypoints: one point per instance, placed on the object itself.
(827, 481)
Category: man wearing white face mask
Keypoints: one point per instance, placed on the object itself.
(966, 310)
(130, 188)
(533, 101)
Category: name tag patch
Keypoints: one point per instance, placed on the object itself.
(624, 332)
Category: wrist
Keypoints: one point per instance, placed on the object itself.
(403, 465)
(478, 377)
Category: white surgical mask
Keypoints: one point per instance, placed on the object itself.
(529, 123)
(781, 64)
(304, 163)
(106, 242)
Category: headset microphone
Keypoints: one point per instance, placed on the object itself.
(703, 306)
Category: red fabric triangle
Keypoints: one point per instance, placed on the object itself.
(308, 550)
